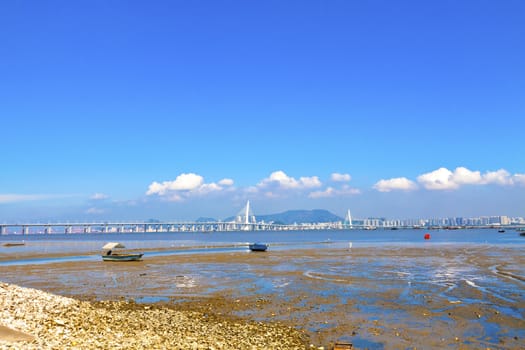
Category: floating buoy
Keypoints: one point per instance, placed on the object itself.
(427, 235)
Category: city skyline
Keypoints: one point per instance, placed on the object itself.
(177, 110)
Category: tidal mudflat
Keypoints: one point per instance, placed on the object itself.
(391, 297)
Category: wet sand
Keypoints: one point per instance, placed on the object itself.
(436, 297)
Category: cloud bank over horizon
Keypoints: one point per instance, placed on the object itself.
(280, 185)
(277, 185)
(445, 179)
(440, 190)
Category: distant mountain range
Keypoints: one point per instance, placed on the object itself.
(296, 216)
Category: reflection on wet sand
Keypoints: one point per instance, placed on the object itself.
(397, 297)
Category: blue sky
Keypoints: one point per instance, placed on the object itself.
(180, 109)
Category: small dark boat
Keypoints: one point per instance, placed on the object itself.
(258, 247)
(522, 233)
(501, 231)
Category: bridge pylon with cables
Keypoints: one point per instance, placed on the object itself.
(246, 217)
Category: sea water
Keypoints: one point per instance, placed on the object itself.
(86, 243)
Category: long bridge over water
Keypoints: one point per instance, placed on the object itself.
(185, 226)
(244, 221)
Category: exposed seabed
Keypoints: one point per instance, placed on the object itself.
(430, 297)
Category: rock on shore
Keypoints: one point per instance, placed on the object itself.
(63, 323)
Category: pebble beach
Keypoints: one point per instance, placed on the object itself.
(34, 319)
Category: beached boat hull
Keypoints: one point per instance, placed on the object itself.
(122, 257)
(13, 244)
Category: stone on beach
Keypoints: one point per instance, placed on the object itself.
(54, 322)
(12, 335)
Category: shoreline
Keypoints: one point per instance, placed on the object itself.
(430, 297)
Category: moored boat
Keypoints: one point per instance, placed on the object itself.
(122, 257)
(258, 247)
(110, 256)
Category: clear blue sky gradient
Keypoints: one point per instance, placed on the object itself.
(107, 97)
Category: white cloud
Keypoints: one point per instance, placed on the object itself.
(463, 176)
(343, 190)
(280, 185)
(341, 177)
(398, 183)
(440, 179)
(444, 179)
(99, 196)
(183, 182)
(334, 192)
(279, 179)
(328, 192)
(310, 182)
(226, 182)
(499, 177)
(207, 188)
(186, 185)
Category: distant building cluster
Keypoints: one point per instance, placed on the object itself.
(379, 222)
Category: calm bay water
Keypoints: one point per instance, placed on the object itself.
(81, 247)
(85, 244)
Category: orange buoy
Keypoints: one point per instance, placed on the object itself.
(427, 235)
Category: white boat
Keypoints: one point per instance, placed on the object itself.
(111, 256)
(122, 257)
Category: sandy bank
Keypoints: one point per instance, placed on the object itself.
(64, 323)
